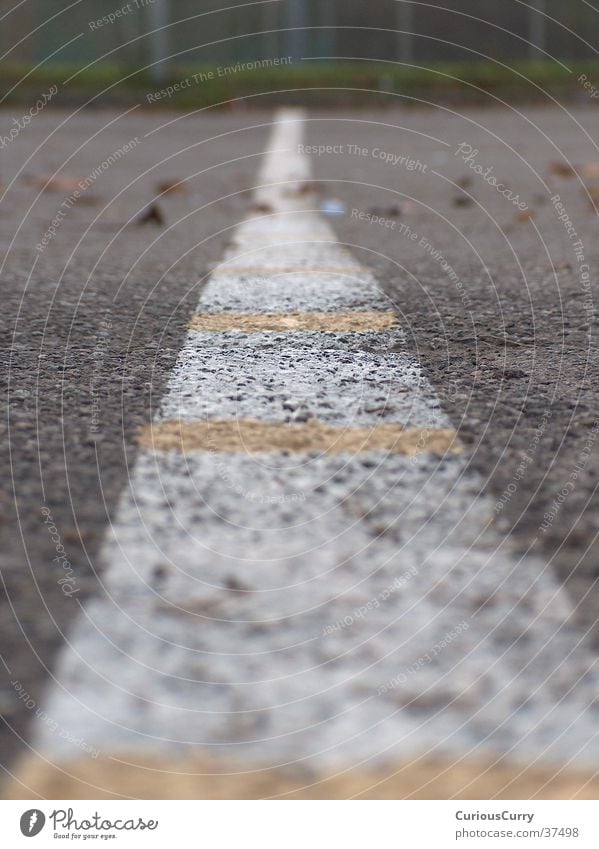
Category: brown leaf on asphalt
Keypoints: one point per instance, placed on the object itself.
(152, 215)
(462, 200)
(171, 187)
(261, 207)
(50, 183)
(73, 535)
(235, 585)
(591, 176)
(562, 169)
(593, 193)
(393, 211)
(526, 215)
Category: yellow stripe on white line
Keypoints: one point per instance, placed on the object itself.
(231, 268)
(187, 778)
(256, 437)
(331, 322)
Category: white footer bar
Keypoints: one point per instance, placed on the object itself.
(275, 824)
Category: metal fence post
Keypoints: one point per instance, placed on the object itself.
(159, 13)
(297, 21)
(269, 20)
(405, 37)
(536, 19)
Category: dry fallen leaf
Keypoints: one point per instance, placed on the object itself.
(171, 187)
(462, 200)
(393, 211)
(50, 183)
(593, 193)
(562, 169)
(152, 215)
(526, 215)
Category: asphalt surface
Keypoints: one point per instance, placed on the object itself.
(90, 335)
(92, 331)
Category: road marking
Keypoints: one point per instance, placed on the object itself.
(335, 322)
(226, 271)
(214, 779)
(256, 437)
(328, 609)
(295, 377)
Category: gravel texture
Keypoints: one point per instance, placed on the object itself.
(91, 330)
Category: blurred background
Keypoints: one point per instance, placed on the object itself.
(510, 29)
(379, 45)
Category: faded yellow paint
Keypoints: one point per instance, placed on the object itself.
(128, 775)
(228, 270)
(247, 436)
(332, 322)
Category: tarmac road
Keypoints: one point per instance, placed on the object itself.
(493, 304)
(91, 329)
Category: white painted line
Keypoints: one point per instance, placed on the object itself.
(354, 388)
(292, 292)
(315, 608)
